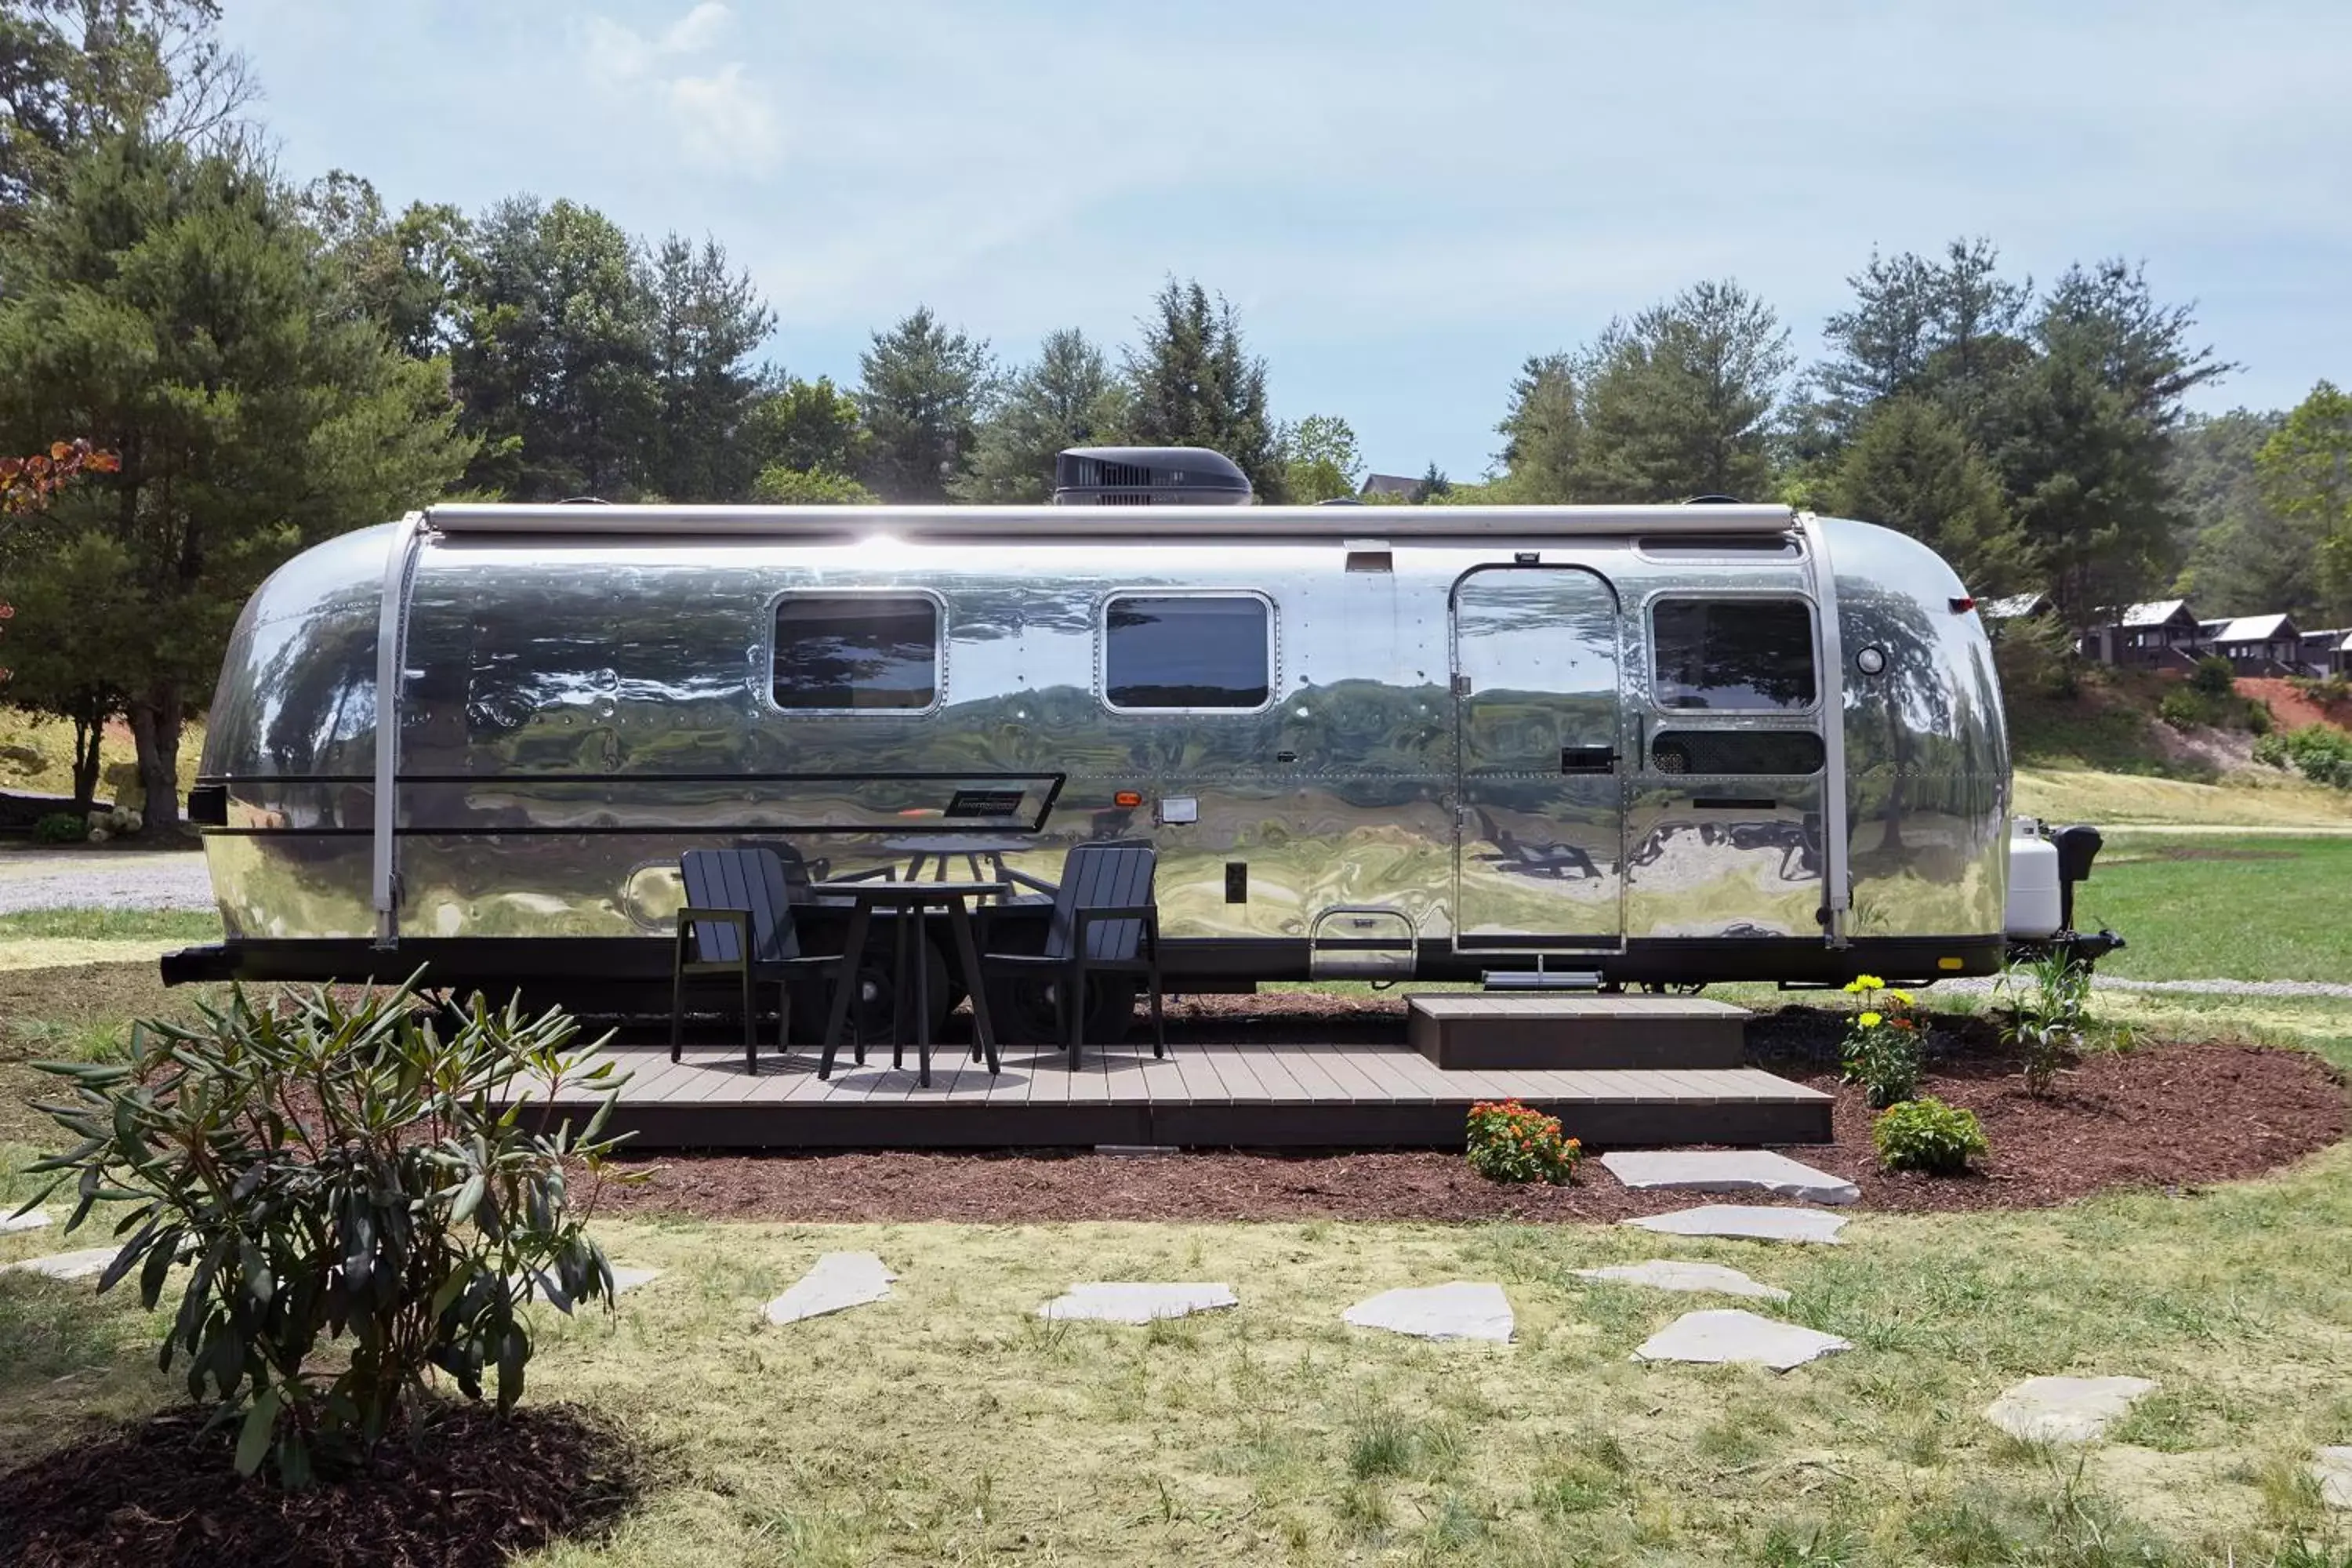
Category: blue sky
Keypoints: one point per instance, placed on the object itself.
(1404, 201)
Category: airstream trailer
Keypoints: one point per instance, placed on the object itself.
(1613, 745)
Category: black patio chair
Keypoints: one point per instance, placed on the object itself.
(738, 920)
(1104, 922)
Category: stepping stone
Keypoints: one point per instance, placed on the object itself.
(1729, 1334)
(1461, 1310)
(1728, 1171)
(2064, 1409)
(836, 1282)
(1756, 1223)
(1662, 1274)
(1136, 1301)
(87, 1264)
(31, 1219)
(2332, 1469)
(625, 1278)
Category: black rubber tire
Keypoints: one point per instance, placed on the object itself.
(813, 1000)
(1021, 1009)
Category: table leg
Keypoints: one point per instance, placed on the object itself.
(897, 988)
(923, 999)
(968, 955)
(844, 985)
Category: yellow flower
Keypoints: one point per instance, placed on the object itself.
(1854, 988)
(1869, 982)
(1902, 996)
(1869, 1020)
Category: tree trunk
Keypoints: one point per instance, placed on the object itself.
(155, 722)
(90, 730)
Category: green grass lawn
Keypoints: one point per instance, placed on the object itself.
(2258, 908)
(111, 925)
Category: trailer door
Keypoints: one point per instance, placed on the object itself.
(1540, 828)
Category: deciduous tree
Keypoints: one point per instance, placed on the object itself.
(2306, 471)
(1319, 458)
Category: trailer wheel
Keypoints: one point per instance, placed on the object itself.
(1022, 1010)
(812, 1004)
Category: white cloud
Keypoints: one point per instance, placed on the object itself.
(720, 119)
(697, 29)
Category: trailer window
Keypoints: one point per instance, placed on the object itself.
(860, 652)
(1732, 654)
(1188, 651)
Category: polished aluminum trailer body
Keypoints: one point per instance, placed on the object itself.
(1466, 756)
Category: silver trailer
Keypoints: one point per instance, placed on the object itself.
(1659, 745)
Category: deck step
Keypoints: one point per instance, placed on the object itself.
(1572, 1033)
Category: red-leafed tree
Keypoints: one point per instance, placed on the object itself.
(59, 676)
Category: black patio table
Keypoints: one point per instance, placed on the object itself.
(908, 901)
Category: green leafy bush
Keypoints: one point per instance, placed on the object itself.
(2321, 753)
(338, 1175)
(1883, 1047)
(2215, 677)
(2048, 1014)
(1927, 1135)
(1513, 1142)
(59, 827)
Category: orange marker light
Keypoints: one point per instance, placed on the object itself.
(1126, 797)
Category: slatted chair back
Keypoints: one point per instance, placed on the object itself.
(1102, 877)
(748, 880)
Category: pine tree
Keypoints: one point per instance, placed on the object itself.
(707, 319)
(1911, 467)
(1681, 401)
(919, 400)
(554, 358)
(1543, 434)
(177, 309)
(1067, 397)
(1193, 383)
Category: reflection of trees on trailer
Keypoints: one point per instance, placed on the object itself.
(1651, 744)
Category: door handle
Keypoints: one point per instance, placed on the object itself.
(1588, 759)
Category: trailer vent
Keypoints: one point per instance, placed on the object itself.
(1148, 475)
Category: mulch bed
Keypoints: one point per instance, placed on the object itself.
(475, 1491)
(2174, 1116)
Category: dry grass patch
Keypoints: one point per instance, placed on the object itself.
(952, 1425)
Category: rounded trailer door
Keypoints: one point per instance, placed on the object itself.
(1539, 840)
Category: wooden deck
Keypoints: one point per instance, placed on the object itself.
(1252, 1094)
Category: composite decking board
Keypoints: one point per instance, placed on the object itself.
(1225, 1093)
(1315, 1074)
(1274, 1074)
(1244, 1082)
(1199, 1072)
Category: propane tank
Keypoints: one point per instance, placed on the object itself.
(2034, 898)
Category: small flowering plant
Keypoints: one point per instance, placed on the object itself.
(1514, 1142)
(1883, 1040)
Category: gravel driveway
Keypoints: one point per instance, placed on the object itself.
(111, 879)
